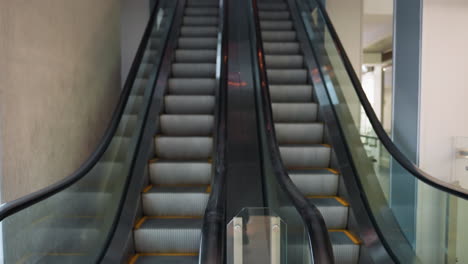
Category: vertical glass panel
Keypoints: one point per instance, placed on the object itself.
(256, 235)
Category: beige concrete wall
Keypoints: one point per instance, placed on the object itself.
(59, 81)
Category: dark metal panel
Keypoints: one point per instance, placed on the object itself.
(244, 176)
(406, 97)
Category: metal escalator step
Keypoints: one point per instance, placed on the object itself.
(284, 61)
(163, 235)
(183, 148)
(333, 209)
(287, 76)
(315, 181)
(195, 70)
(272, 6)
(276, 25)
(192, 86)
(175, 200)
(190, 31)
(152, 259)
(295, 112)
(345, 247)
(281, 48)
(299, 133)
(189, 104)
(291, 93)
(273, 15)
(127, 125)
(197, 43)
(204, 3)
(177, 172)
(278, 36)
(307, 156)
(59, 258)
(201, 56)
(197, 11)
(200, 21)
(186, 125)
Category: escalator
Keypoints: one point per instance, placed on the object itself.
(174, 202)
(299, 131)
(143, 195)
(313, 106)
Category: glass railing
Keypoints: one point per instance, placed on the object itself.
(72, 221)
(420, 218)
(305, 240)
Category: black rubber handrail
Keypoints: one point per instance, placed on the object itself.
(319, 240)
(213, 230)
(377, 126)
(19, 204)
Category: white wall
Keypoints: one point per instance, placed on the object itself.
(134, 17)
(444, 86)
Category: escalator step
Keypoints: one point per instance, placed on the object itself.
(290, 93)
(189, 104)
(281, 48)
(139, 86)
(276, 25)
(202, 3)
(176, 172)
(183, 148)
(200, 21)
(162, 235)
(278, 36)
(345, 247)
(284, 61)
(134, 104)
(192, 86)
(186, 125)
(196, 11)
(287, 76)
(299, 133)
(333, 209)
(197, 43)
(152, 259)
(294, 112)
(190, 31)
(272, 6)
(175, 200)
(193, 70)
(315, 181)
(201, 56)
(273, 15)
(307, 156)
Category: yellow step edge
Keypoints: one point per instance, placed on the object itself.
(350, 235)
(140, 222)
(136, 256)
(314, 168)
(147, 188)
(154, 160)
(337, 198)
